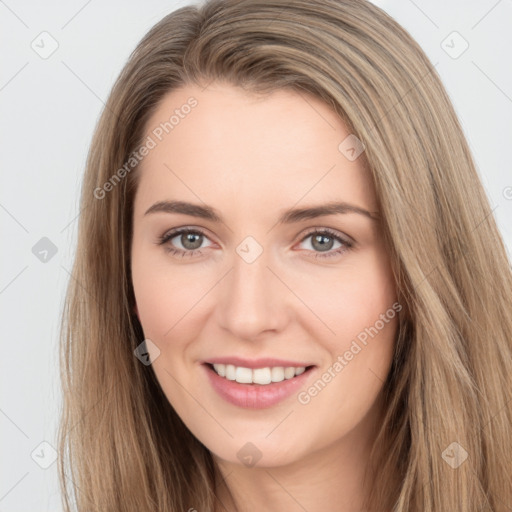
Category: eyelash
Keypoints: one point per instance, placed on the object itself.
(347, 245)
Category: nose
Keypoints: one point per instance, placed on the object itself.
(253, 300)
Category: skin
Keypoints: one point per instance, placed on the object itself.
(251, 157)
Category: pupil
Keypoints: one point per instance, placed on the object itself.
(189, 238)
(321, 240)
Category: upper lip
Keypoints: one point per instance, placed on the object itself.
(263, 362)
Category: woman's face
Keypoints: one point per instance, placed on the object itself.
(263, 280)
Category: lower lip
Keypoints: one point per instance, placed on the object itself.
(255, 396)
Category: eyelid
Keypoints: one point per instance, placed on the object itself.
(333, 232)
(346, 241)
(172, 233)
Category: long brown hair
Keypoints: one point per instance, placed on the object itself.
(445, 443)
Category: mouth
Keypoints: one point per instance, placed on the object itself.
(259, 387)
(257, 376)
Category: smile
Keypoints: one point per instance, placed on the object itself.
(261, 376)
(257, 388)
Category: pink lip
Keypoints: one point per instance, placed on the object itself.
(255, 396)
(256, 363)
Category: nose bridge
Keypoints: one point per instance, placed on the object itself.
(251, 301)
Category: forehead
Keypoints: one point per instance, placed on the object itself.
(227, 146)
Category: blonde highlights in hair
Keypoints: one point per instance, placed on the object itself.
(451, 376)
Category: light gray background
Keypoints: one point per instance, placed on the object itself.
(49, 107)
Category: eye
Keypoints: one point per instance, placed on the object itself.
(322, 241)
(191, 241)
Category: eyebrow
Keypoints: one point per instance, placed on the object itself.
(290, 216)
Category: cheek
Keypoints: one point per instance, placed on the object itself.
(157, 307)
(168, 299)
(358, 308)
(352, 299)
(366, 326)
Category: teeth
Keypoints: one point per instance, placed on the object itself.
(243, 375)
(258, 375)
(230, 371)
(277, 374)
(221, 370)
(289, 373)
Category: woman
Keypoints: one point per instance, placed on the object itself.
(289, 291)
